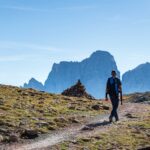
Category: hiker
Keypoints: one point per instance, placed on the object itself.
(113, 89)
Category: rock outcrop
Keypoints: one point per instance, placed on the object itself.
(77, 90)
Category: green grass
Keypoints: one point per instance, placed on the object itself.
(129, 134)
(25, 108)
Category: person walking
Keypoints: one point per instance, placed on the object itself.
(114, 89)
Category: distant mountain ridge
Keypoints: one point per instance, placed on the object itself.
(92, 71)
(33, 83)
(137, 80)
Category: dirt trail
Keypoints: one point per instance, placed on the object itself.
(98, 123)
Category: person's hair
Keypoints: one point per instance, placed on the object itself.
(113, 72)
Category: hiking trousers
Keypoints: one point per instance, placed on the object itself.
(115, 104)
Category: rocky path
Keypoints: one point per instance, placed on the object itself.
(97, 124)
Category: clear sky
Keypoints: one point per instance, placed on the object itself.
(36, 33)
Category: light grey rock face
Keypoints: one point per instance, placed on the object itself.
(93, 73)
(62, 76)
(33, 83)
(137, 80)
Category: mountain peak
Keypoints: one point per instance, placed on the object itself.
(101, 52)
(35, 84)
(137, 80)
(32, 80)
(93, 72)
(102, 56)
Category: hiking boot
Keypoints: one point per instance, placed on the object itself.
(110, 119)
(117, 119)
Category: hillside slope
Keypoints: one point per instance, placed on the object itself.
(80, 123)
(27, 111)
(131, 132)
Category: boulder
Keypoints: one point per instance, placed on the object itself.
(87, 128)
(42, 124)
(3, 130)
(145, 148)
(29, 134)
(1, 101)
(1, 138)
(60, 119)
(105, 107)
(51, 128)
(74, 120)
(86, 139)
(128, 115)
(96, 107)
(13, 138)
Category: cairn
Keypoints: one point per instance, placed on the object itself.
(77, 90)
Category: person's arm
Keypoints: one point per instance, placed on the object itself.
(120, 91)
(107, 90)
(121, 96)
(106, 96)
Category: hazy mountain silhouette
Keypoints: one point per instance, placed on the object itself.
(137, 80)
(33, 83)
(93, 73)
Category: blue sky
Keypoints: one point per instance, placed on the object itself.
(36, 33)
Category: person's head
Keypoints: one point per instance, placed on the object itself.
(113, 73)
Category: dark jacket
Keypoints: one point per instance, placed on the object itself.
(113, 86)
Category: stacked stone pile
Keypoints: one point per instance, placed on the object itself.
(77, 90)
